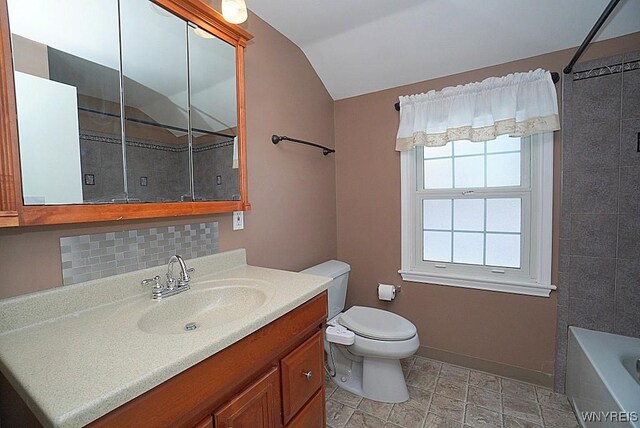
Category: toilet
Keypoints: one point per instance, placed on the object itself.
(364, 345)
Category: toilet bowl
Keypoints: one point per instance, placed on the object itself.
(364, 345)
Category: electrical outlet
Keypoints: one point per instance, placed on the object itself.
(238, 220)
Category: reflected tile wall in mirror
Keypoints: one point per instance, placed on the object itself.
(215, 177)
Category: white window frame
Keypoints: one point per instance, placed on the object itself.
(538, 254)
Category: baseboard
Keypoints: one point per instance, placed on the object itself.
(500, 369)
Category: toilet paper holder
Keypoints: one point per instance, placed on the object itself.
(396, 289)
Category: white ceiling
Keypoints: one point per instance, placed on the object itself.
(362, 46)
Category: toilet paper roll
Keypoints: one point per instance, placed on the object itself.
(386, 292)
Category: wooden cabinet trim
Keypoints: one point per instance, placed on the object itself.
(188, 397)
(40, 215)
(13, 212)
(9, 161)
(204, 16)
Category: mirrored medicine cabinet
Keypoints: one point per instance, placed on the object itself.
(120, 109)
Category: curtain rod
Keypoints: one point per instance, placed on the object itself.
(554, 76)
(159, 125)
(596, 27)
(275, 139)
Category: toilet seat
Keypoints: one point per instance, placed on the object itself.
(377, 324)
(385, 349)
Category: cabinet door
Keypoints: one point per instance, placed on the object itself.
(257, 406)
(302, 375)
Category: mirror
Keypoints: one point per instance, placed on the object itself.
(214, 120)
(168, 136)
(156, 86)
(66, 63)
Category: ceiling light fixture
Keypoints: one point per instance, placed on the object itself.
(234, 11)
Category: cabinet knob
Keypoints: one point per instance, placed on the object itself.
(308, 374)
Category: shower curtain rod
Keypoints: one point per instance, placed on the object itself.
(554, 76)
(596, 27)
(159, 125)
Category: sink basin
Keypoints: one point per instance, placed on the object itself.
(202, 309)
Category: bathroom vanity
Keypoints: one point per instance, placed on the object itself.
(103, 353)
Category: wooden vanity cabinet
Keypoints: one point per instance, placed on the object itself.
(263, 403)
(271, 378)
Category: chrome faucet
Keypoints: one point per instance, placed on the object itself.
(172, 286)
(184, 272)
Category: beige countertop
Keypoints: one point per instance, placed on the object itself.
(77, 352)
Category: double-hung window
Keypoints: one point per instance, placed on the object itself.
(478, 214)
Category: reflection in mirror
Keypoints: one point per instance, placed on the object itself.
(156, 99)
(66, 67)
(214, 119)
(76, 60)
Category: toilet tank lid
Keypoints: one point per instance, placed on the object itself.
(331, 268)
(377, 324)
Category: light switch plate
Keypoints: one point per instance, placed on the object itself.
(238, 220)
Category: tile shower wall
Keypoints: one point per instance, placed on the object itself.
(207, 165)
(164, 166)
(88, 257)
(600, 233)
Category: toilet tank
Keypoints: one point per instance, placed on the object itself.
(337, 291)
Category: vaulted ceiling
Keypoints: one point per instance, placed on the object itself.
(362, 46)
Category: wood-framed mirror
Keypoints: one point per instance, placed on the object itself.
(119, 109)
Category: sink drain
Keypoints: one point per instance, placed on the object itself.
(190, 326)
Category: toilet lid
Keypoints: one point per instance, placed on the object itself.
(377, 324)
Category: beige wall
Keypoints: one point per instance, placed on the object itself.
(509, 329)
(292, 189)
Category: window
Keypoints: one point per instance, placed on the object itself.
(478, 214)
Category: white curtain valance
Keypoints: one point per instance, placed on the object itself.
(519, 104)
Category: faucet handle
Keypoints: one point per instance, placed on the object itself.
(155, 280)
(186, 277)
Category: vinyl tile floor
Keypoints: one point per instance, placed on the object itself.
(444, 395)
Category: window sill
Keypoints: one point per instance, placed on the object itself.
(514, 287)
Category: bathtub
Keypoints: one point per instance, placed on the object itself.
(602, 379)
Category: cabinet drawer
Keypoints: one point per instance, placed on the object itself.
(302, 375)
(311, 415)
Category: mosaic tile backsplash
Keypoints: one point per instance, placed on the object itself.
(88, 257)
